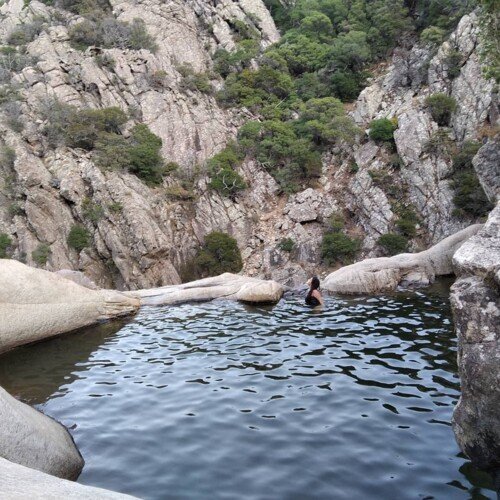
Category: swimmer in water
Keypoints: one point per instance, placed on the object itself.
(314, 297)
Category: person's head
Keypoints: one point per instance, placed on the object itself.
(314, 283)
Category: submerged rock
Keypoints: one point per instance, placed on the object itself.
(30, 438)
(475, 301)
(18, 482)
(386, 273)
(36, 304)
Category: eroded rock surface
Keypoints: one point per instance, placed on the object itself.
(475, 300)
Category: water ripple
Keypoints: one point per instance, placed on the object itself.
(222, 400)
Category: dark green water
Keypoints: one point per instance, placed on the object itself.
(224, 401)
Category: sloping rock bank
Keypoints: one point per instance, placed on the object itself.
(30, 438)
(18, 483)
(384, 274)
(37, 304)
(475, 300)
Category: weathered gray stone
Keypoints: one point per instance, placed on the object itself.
(226, 286)
(487, 166)
(19, 483)
(386, 273)
(30, 438)
(475, 300)
(36, 304)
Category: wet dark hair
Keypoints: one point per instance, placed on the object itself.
(314, 286)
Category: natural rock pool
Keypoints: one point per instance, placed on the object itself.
(224, 401)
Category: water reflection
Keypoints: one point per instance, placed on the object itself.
(223, 400)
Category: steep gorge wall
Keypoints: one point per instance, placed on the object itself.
(147, 241)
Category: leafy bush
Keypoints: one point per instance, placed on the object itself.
(469, 196)
(219, 254)
(453, 61)
(335, 223)
(221, 168)
(407, 220)
(179, 193)
(78, 238)
(286, 245)
(433, 35)
(111, 151)
(7, 157)
(393, 243)
(25, 33)
(41, 254)
(116, 207)
(338, 247)
(441, 107)
(92, 211)
(193, 81)
(462, 160)
(109, 33)
(5, 243)
(145, 155)
(382, 130)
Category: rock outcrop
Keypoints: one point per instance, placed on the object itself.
(18, 483)
(37, 304)
(384, 274)
(143, 236)
(226, 286)
(475, 300)
(29, 438)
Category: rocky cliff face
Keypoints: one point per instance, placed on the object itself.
(144, 235)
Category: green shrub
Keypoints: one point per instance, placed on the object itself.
(78, 238)
(7, 157)
(221, 169)
(5, 243)
(25, 33)
(92, 211)
(146, 160)
(433, 35)
(179, 193)
(111, 151)
(193, 81)
(110, 33)
(393, 243)
(441, 107)
(469, 196)
(407, 220)
(219, 254)
(335, 223)
(453, 61)
(286, 245)
(382, 130)
(462, 160)
(116, 207)
(41, 254)
(338, 247)
(104, 60)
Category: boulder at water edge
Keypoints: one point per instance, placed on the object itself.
(226, 286)
(30, 438)
(384, 274)
(475, 301)
(19, 483)
(37, 304)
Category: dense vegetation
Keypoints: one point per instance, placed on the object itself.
(5, 243)
(469, 196)
(100, 131)
(218, 254)
(337, 246)
(321, 61)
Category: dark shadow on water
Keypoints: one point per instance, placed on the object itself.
(41, 369)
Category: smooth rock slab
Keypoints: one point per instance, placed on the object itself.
(226, 286)
(384, 274)
(37, 304)
(32, 439)
(20, 483)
